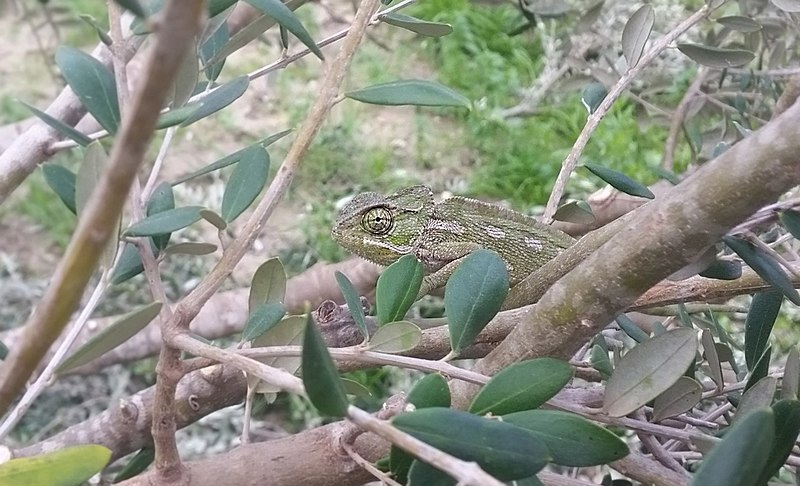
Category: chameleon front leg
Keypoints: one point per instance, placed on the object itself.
(454, 254)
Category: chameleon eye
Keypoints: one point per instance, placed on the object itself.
(378, 221)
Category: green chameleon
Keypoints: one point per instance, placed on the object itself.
(440, 234)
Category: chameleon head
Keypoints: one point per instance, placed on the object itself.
(384, 228)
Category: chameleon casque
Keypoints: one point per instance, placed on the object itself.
(384, 228)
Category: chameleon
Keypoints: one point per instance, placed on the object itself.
(441, 234)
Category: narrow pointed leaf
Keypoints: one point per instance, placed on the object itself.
(791, 375)
(787, 426)
(101, 32)
(677, 399)
(577, 212)
(760, 369)
(246, 182)
(353, 302)
(763, 312)
(186, 80)
(165, 222)
(87, 178)
(740, 23)
(522, 386)
(648, 370)
(473, 296)
(268, 284)
(430, 391)
(758, 396)
(395, 337)
(191, 248)
(593, 94)
(716, 57)
(136, 464)
(409, 92)
(741, 456)
(503, 450)
(631, 329)
(134, 7)
(322, 383)
(262, 319)
(285, 17)
(213, 218)
(92, 83)
(64, 467)
(791, 221)
(572, 440)
(354, 388)
(418, 26)
(232, 158)
(73, 134)
(600, 361)
(161, 200)
(128, 266)
(422, 473)
(62, 181)
(111, 337)
(723, 270)
(764, 265)
(710, 353)
(218, 99)
(210, 47)
(635, 34)
(288, 332)
(620, 181)
(397, 288)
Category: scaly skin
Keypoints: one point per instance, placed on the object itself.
(384, 228)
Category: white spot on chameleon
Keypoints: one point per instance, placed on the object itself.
(399, 249)
(449, 226)
(495, 232)
(534, 243)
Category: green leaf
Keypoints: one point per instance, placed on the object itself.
(268, 284)
(741, 456)
(593, 94)
(764, 265)
(354, 388)
(791, 375)
(3, 350)
(648, 370)
(62, 181)
(760, 368)
(109, 338)
(288, 332)
(681, 397)
(218, 99)
(70, 466)
(285, 17)
(740, 23)
(577, 212)
(92, 83)
(190, 248)
(599, 360)
(572, 440)
(75, 135)
(635, 34)
(418, 26)
(522, 386)
(763, 312)
(212, 45)
(620, 181)
(134, 7)
(791, 221)
(395, 337)
(353, 301)
(129, 264)
(758, 396)
(322, 383)
(409, 92)
(136, 464)
(397, 288)
(216, 7)
(263, 318)
(246, 182)
(213, 218)
(161, 200)
(430, 391)
(473, 296)
(710, 354)
(101, 32)
(232, 158)
(88, 177)
(501, 449)
(165, 222)
(716, 57)
(787, 426)
(631, 329)
(723, 270)
(422, 473)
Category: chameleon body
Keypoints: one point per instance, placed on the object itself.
(440, 234)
